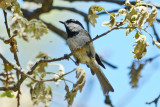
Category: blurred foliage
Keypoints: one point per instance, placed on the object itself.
(70, 95)
(7, 94)
(7, 78)
(137, 18)
(5, 3)
(136, 69)
(41, 93)
(135, 73)
(25, 29)
(41, 67)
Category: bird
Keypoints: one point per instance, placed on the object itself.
(77, 37)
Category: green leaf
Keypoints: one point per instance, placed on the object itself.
(134, 18)
(137, 35)
(142, 14)
(42, 55)
(4, 4)
(15, 8)
(81, 76)
(113, 19)
(41, 93)
(140, 47)
(131, 12)
(112, 22)
(7, 94)
(122, 11)
(129, 29)
(92, 15)
(152, 16)
(127, 3)
(28, 29)
(70, 95)
(9, 68)
(41, 67)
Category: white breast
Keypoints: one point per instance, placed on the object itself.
(77, 42)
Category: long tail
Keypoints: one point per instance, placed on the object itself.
(106, 86)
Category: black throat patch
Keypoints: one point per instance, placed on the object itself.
(71, 33)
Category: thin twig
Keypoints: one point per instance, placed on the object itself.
(30, 72)
(14, 50)
(7, 40)
(155, 33)
(60, 32)
(110, 1)
(6, 70)
(6, 23)
(154, 101)
(36, 13)
(69, 9)
(3, 80)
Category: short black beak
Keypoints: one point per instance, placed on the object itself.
(62, 22)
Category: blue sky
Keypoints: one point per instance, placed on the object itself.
(115, 47)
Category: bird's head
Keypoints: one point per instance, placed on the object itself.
(72, 27)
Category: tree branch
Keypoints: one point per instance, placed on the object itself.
(157, 6)
(30, 72)
(155, 33)
(36, 13)
(69, 9)
(14, 51)
(35, 1)
(56, 30)
(46, 7)
(7, 40)
(6, 23)
(154, 101)
(110, 1)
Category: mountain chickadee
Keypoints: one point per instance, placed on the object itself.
(77, 37)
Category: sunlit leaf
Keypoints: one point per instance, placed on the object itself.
(156, 43)
(5, 3)
(81, 76)
(127, 3)
(9, 68)
(140, 47)
(59, 76)
(152, 16)
(131, 12)
(129, 29)
(70, 95)
(15, 8)
(92, 15)
(142, 14)
(41, 67)
(41, 93)
(42, 55)
(28, 29)
(112, 21)
(122, 11)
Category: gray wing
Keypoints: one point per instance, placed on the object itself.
(95, 55)
(99, 61)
